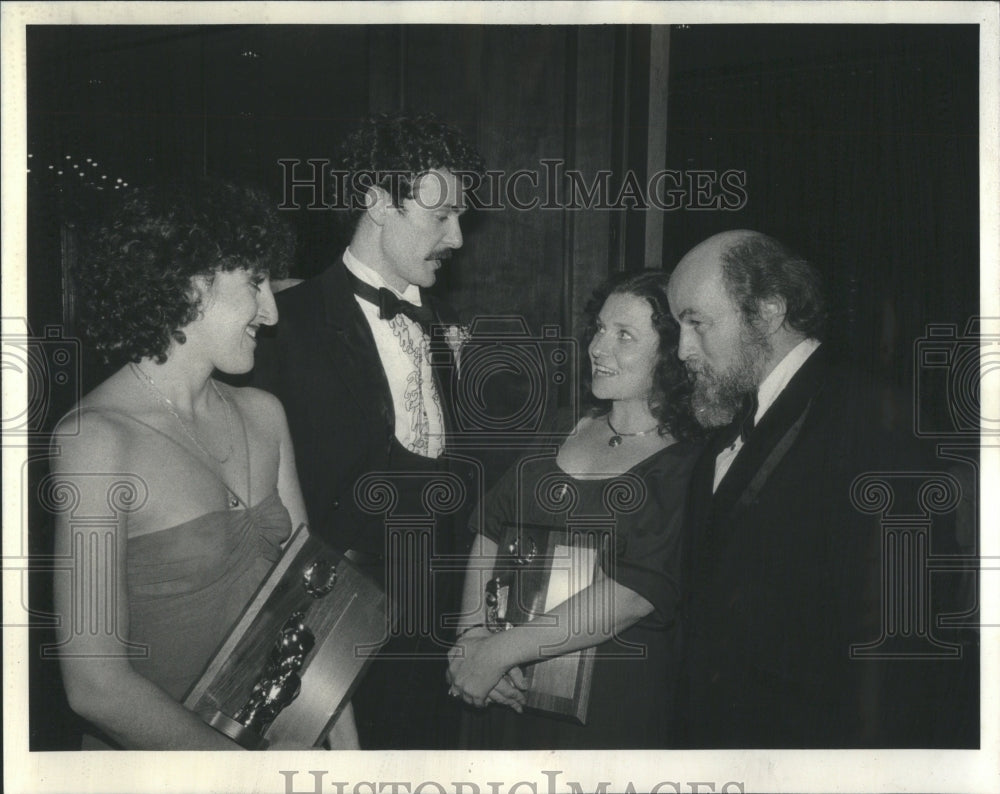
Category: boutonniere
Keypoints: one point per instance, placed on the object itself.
(456, 336)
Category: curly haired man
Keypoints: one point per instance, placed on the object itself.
(368, 406)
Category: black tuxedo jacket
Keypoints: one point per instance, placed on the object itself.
(322, 362)
(782, 574)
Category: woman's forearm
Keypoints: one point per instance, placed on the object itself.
(479, 660)
(593, 616)
(136, 713)
(482, 558)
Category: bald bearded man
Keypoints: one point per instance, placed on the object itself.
(782, 573)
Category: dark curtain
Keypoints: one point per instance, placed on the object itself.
(860, 147)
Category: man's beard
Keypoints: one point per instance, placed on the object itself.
(716, 397)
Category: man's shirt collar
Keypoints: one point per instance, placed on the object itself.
(370, 276)
(776, 381)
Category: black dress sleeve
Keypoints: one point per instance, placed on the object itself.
(496, 508)
(645, 554)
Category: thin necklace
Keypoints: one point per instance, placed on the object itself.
(189, 432)
(616, 439)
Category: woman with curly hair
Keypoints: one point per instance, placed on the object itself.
(177, 285)
(623, 468)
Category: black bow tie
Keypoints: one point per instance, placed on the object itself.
(389, 304)
(743, 422)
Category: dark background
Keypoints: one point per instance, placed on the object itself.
(859, 144)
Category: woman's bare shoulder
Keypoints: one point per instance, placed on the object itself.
(89, 440)
(576, 450)
(98, 426)
(582, 434)
(253, 402)
(262, 412)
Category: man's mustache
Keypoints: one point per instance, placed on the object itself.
(444, 253)
(694, 372)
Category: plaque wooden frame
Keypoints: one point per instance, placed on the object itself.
(349, 623)
(530, 557)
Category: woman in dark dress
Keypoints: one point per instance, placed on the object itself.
(624, 467)
(195, 479)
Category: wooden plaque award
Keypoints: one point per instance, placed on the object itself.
(537, 568)
(293, 659)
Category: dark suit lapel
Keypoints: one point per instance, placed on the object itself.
(699, 508)
(710, 517)
(772, 438)
(355, 357)
(352, 348)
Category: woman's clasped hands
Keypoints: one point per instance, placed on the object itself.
(479, 674)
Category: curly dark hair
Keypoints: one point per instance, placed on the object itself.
(670, 401)
(760, 267)
(136, 268)
(392, 151)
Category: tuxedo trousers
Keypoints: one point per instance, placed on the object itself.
(402, 701)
